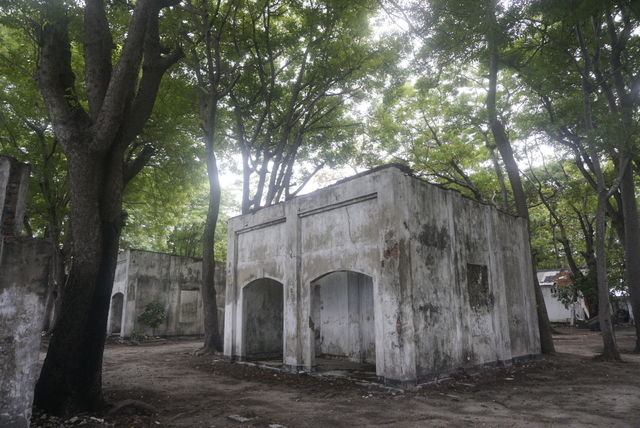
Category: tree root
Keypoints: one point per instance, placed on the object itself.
(607, 357)
(207, 350)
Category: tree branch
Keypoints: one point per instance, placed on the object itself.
(131, 169)
(123, 78)
(98, 46)
(56, 80)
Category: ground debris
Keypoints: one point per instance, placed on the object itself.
(239, 418)
(40, 419)
(200, 392)
(43, 420)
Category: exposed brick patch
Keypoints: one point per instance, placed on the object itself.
(391, 252)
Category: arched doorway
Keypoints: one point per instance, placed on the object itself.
(262, 319)
(115, 321)
(342, 313)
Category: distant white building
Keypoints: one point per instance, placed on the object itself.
(549, 279)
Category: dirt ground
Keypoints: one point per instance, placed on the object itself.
(569, 389)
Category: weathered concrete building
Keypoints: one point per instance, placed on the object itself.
(24, 269)
(384, 268)
(143, 277)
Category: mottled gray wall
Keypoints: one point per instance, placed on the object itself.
(143, 277)
(451, 279)
(24, 269)
(343, 316)
(475, 305)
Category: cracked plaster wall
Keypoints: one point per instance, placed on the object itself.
(24, 269)
(143, 277)
(451, 278)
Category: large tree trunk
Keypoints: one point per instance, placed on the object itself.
(632, 245)
(610, 351)
(71, 377)
(212, 339)
(94, 142)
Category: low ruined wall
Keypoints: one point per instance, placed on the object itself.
(24, 270)
(143, 277)
(24, 267)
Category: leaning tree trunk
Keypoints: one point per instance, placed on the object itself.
(209, 71)
(506, 152)
(604, 308)
(59, 280)
(544, 326)
(610, 349)
(54, 291)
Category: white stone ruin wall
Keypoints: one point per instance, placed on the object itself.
(387, 268)
(24, 270)
(143, 277)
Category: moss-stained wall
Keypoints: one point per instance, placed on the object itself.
(143, 277)
(451, 279)
(24, 270)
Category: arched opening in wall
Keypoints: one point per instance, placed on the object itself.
(342, 313)
(117, 304)
(263, 319)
